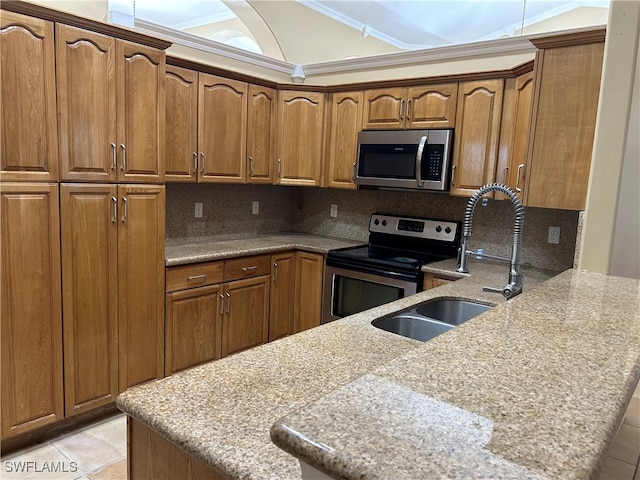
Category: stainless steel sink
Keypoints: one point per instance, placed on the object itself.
(428, 320)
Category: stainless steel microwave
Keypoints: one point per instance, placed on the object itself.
(406, 159)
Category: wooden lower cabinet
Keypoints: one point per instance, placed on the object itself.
(283, 270)
(31, 317)
(194, 327)
(308, 291)
(433, 281)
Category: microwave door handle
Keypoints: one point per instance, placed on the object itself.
(421, 145)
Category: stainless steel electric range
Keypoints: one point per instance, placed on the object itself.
(389, 266)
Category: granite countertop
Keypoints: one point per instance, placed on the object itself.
(527, 368)
(204, 249)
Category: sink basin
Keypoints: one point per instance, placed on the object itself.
(430, 319)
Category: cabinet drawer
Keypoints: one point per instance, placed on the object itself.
(194, 275)
(246, 267)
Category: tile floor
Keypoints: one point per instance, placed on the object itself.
(98, 452)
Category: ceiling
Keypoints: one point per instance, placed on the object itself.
(307, 31)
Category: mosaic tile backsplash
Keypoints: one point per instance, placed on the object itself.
(227, 213)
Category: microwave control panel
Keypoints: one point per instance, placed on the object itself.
(432, 162)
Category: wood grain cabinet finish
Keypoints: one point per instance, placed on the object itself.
(283, 270)
(222, 127)
(110, 108)
(31, 316)
(141, 237)
(29, 146)
(193, 327)
(514, 133)
(89, 230)
(561, 142)
(432, 106)
(261, 118)
(475, 149)
(300, 132)
(308, 291)
(344, 120)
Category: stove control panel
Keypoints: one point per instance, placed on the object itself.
(414, 227)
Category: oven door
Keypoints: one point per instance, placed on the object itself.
(348, 291)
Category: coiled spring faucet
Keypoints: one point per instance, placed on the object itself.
(516, 278)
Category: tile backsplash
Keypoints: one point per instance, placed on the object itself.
(227, 213)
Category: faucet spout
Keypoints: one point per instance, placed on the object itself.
(516, 278)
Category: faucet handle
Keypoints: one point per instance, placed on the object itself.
(492, 290)
(508, 291)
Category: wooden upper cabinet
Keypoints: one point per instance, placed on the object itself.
(181, 124)
(514, 133)
(222, 127)
(260, 134)
(29, 146)
(30, 313)
(140, 109)
(89, 232)
(561, 142)
(431, 106)
(300, 131)
(475, 147)
(344, 118)
(86, 84)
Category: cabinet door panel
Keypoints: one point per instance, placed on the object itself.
(140, 97)
(29, 147)
(181, 124)
(343, 123)
(30, 311)
(282, 289)
(245, 321)
(384, 108)
(308, 291)
(222, 123)
(432, 107)
(140, 284)
(89, 295)
(194, 327)
(300, 135)
(85, 65)
(260, 133)
(475, 148)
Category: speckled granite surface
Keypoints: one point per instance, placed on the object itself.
(204, 249)
(534, 388)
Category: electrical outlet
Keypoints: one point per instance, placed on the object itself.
(334, 210)
(554, 235)
(198, 212)
(255, 207)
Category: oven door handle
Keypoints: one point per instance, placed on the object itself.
(423, 142)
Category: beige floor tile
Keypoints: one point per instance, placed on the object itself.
(97, 445)
(115, 471)
(42, 462)
(616, 470)
(626, 446)
(632, 416)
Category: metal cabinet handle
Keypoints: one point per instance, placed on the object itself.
(453, 174)
(228, 302)
(124, 157)
(250, 166)
(114, 163)
(504, 179)
(354, 173)
(279, 168)
(249, 269)
(518, 189)
(409, 110)
(114, 201)
(195, 162)
(221, 304)
(202, 158)
(275, 271)
(191, 278)
(401, 109)
(125, 209)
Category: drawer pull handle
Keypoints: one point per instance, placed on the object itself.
(249, 269)
(191, 278)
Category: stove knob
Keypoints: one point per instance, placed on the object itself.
(384, 223)
(447, 230)
(376, 222)
(438, 229)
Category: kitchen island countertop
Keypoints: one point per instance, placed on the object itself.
(534, 387)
